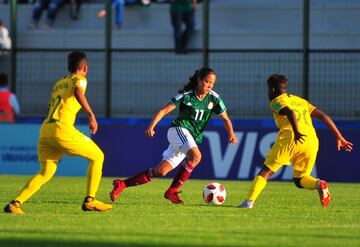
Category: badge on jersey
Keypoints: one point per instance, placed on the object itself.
(210, 105)
(277, 106)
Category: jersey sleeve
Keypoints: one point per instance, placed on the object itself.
(81, 83)
(220, 107)
(14, 104)
(311, 107)
(277, 104)
(177, 99)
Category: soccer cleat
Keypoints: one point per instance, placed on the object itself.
(14, 207)
(247, 204)
(91, 204)
(173, 196)
(324, 193)
(119, 186)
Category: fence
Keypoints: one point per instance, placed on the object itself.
(144, 80)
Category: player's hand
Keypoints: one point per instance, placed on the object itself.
(150, 132)
(93, 125)
(298, 137)
(344, 144)
(233, 139)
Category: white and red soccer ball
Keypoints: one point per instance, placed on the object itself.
(214, 193)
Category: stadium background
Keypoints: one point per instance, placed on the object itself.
(134, 71)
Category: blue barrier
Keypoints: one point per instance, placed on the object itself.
(18, 152)
(128, 151)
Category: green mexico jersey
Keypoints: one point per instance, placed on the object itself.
(194, 113)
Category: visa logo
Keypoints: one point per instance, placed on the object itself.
(223, 160)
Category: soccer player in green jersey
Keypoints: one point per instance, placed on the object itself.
(296, 142)
(58, 136)
(196, 102)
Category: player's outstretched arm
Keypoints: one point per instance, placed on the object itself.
(341, 142)
(158, 116)
(80, 97)
(298, 137)
(229, 127)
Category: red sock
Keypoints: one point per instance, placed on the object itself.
(181, 176)
(141, 178)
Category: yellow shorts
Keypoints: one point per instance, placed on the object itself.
(285, 151)
(53, 148)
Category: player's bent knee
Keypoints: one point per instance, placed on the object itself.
(98, 156)
(46, 175)
(101, 156)
(47, 169)
(297, 183)
(194, 156)
(160, 172)
(195, 159)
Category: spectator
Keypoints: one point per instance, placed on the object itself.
(5, 40)
(52, 6)
(19, 1)
(119, 6)
(142, 2)
(9, 105)
(182, 11)
(74, 8)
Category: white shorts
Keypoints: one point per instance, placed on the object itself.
(181, 141)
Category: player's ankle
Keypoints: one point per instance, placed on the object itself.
(172, 189)
(89, 199)
(16, 203)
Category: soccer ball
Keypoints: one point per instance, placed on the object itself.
(214, 193)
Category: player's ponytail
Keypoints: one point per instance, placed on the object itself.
(193, 80)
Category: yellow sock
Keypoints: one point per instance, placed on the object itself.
(94, 173)
(257, 186)
(47, 171)
(308, 182)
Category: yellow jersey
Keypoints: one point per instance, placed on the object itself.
(63, 107)
(302, 109)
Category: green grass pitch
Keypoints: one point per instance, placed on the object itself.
(283, 216)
